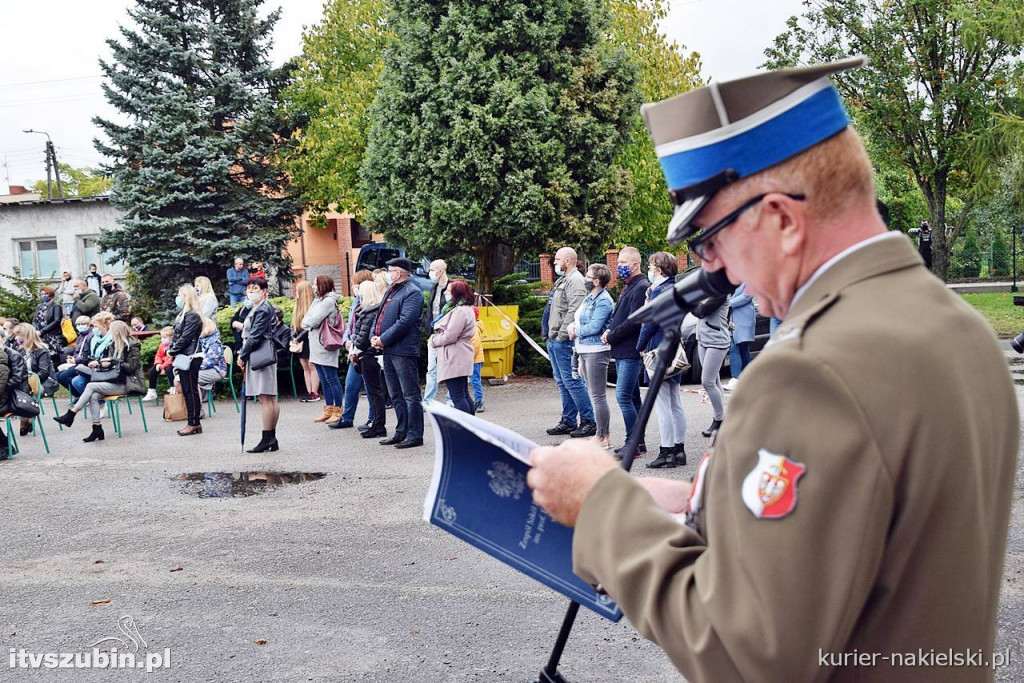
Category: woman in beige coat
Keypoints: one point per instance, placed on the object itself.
(453, 335)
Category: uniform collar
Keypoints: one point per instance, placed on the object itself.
(876, 255)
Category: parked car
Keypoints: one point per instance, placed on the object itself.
(376, 254)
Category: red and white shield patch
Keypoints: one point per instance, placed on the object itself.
(769, 491)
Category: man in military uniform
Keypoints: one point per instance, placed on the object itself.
(857, 500)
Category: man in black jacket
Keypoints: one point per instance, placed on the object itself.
(397, 334)
(622, 336)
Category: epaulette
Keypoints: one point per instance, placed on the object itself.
(791, 331)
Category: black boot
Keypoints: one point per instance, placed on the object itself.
(96, 435)
(67, 419)
(679, 454)
(374, 431)
(25, 428)
(715, 424)
(267, 443)
(664, 458)
(4, 446)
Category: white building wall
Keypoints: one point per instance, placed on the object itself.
(68, 222)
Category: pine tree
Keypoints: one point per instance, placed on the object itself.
(496, 128)
(193, 165)
(1000, 253)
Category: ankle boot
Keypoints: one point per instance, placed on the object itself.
(715, 425)
(67, 419)
(326, 415)
(336, 412)
(267, 443)
(375, 431)
(679, 454)
(96, 435)
(664, 458)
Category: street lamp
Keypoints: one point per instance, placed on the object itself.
(51, 162)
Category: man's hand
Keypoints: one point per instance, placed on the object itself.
(562, 476)
(237, 325)
(670, 495)
(376, 343)
(241, 364)
(604, 337)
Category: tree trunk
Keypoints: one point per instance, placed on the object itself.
(942, 248)
(484, 279)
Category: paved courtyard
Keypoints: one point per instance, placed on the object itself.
(337, 579)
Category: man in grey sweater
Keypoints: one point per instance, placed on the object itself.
(566, 296)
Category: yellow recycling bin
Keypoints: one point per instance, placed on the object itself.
(499, 340)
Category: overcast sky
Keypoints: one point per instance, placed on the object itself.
(51, 80)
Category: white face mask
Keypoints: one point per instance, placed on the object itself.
(388, 278)
(434, 277)
(253, 296)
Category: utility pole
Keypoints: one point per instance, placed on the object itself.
(51, 162)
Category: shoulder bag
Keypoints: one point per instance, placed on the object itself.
(20, 403)
(263, 356)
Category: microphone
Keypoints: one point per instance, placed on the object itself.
(668, 309)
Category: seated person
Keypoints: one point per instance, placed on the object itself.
(138, 325)
(7, 326)
(79, 354)
(37, 360)
(121, 350)
(161, 364)
(214, 366)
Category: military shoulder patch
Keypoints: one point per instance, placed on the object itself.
(769, 491)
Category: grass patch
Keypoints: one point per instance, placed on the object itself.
(998, 309)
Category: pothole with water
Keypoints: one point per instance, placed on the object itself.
(240, 484)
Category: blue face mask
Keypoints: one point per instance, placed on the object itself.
(82, 328)
(46, 298)
(247, 303)
(179, 302)
(625, 272)
(558, 269)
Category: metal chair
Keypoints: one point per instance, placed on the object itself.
(113, 404)
(35, 388)
(229, 357)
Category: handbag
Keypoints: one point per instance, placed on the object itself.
(110, 373)
(67, 328)
(20, 403)
(182, 363)
(332, 334)
(295, 345)
(680, 363)
(263, 356)
(174, 408)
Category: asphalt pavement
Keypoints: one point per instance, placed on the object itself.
(337, 579)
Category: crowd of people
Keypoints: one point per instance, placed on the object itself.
(377, 349)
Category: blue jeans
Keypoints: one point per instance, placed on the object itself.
(478, 384)
(331, 385)
(627, 390)
(353, 385)
(72, 381)
(739, 358)
(432, 387)
(773, 325)
(236, 298)
(458, 391)
(403, 382)
(575, 400)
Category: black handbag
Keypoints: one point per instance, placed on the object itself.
(21, 404)
(103, 373)
(263, 356)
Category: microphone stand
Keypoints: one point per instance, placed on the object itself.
(666, 352)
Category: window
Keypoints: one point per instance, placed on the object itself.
(91, 254)
(38, 258)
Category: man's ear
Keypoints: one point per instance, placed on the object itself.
(786, 216)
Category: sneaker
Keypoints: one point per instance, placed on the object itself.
(730, 385)
(562, 428)
(310, 398)
(479, 406)
(586, 428)
(150, 396)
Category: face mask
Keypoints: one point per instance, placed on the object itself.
(138, 328)
(17, 342)
(179, 302)
(82, 328)
(434, 277)
(388, 278)
(247, 303)
(108, 287)
(448, 298)
(46, 298)
(198, 293)
(625, 272)
(588, 285)
(652, 274)
(67, 277)
(558, 269)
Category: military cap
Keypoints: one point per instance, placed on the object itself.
(402, 262)
(715, 135)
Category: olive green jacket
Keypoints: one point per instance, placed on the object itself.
(894, 399)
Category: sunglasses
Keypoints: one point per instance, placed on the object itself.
(701, 243)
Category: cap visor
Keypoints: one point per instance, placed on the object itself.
(679, 227)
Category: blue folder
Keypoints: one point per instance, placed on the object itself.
(479, 494)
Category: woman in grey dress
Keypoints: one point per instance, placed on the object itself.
(263, 382)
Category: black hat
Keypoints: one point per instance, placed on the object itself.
(402, 262)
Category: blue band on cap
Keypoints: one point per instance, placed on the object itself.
(817, 118)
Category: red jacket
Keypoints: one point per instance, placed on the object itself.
(162, 360)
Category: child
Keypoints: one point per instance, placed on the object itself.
(161, 363)
(478, 363)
